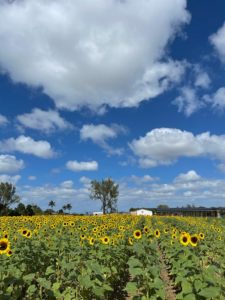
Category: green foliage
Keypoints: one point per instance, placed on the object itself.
(107, 191)
(8, 196)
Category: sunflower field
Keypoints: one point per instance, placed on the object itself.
(112, 257)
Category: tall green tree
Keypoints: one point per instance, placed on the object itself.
(51, 204)
(8, 196)
(107, 191)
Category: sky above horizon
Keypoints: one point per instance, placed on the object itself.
(128, 89)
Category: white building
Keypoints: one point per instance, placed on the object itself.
(142, 212)
(97, 213)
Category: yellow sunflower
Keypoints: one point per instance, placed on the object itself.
(157, 233)
(201, 236)
(105, 240)
(194, 240)
(185, 239)
(137, 234)
(4, 245)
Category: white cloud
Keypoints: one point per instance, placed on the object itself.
(11, 179)
(82, 165)
(99, 134)
(163, 146)
(202, 80)
(9, 164)
(46, 121)
(142, 179)
(218, 41)
(221, 167)
(32, 178)
(3, 120)
(85, 180)
(85, 53)
(186, 177)
(188, 101)
(27, 145)
(67, 184)
(217, 100)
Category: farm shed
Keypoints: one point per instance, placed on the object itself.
(142, 212)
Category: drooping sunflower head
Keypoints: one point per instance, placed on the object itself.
(194, 240)
(137, 234)
(91, 241)
(4, 245)
(130, 241)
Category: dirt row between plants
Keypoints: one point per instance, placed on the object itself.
(169, 284)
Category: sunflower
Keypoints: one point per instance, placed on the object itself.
(184, 239)
(24, 232)
(29, 234)
(201, 236)
(194, 240)
(157, 233)
(145, 229)
(4, 245)
(91, 241)
(130, 241)
(105, 240)
(9, 252)
(137, 234)
(82, 236)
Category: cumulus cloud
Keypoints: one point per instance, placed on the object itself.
(45, 121)
(11, 179)
(187, 177)
(76, 166)
(99, 134)
(3, 120)
(27, 145)
(9, 164)
(218, 41)
(85, 53)
(188, 102)
(163, 146)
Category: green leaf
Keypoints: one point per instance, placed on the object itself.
(135, 271)
(32, 289)
(44, 283)
(29, 277)
(198, 284)
(131, 288)
(85, 281)
(189, 297)
(49, 270)
(210, 292)
(186, 287)
(134, 262)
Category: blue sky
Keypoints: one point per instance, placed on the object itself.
(133, 90)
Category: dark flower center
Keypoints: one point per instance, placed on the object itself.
(3, 245)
